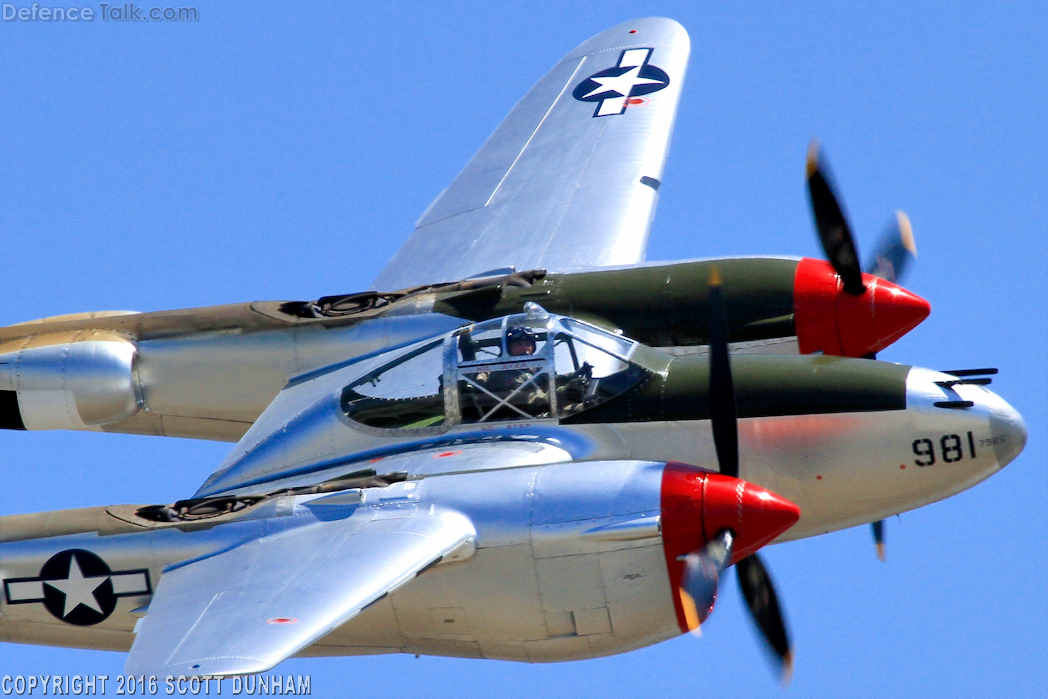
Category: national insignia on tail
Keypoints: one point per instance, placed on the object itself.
(617, 87)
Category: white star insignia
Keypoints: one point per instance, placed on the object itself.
(78, 589)
(622, 85)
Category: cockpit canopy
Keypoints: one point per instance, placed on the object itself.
(527, 366)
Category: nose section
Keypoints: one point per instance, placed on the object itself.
(1008, 430)
(959, 406)
(756, 515)
(832, 321)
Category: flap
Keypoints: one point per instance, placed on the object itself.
(247, 609)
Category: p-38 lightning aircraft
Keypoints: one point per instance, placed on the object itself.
(537, 465)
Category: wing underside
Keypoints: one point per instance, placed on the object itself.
(245, 610)
(570, 178)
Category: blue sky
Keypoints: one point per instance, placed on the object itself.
(283, 151)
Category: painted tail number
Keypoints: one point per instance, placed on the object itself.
(950, 449)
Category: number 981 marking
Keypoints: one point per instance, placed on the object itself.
(950, 449)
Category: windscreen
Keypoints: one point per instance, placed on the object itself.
(407, 393)
(591, 367)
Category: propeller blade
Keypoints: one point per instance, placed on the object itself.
(722, 392)
(703, 568)
(878, 540)
(895, 250)
(763, 604)
(702, 572)
(832, 226)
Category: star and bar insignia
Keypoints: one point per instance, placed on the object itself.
(614, 88)
(78, 587)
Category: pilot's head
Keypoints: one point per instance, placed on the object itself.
(520, 342)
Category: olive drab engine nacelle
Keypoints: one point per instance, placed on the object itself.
(210, 372)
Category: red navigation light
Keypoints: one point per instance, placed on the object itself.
(832, 321)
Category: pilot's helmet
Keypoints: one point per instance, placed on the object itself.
(520, 341)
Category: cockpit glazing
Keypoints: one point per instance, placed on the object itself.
(521, 367)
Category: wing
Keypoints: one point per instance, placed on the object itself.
(247, 609)
(570, 178)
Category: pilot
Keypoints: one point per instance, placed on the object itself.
(531, 398)
(520, 342)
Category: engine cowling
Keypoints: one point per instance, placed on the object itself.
(72, 380)
(832, 321)
(697, 504)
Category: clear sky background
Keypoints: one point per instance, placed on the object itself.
(284, 151)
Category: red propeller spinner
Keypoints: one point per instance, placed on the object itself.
(835, 322)
(697, 504)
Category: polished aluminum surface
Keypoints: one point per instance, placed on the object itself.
(235, 376)
(245, 610)
(310, 428)
(205, 385)
(72, 380)
(556, 186)
(530, 586)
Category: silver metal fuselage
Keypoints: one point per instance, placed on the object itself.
(538, 587)
(209, 384)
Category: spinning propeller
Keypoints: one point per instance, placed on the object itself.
(703, 567)
(896, 250)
